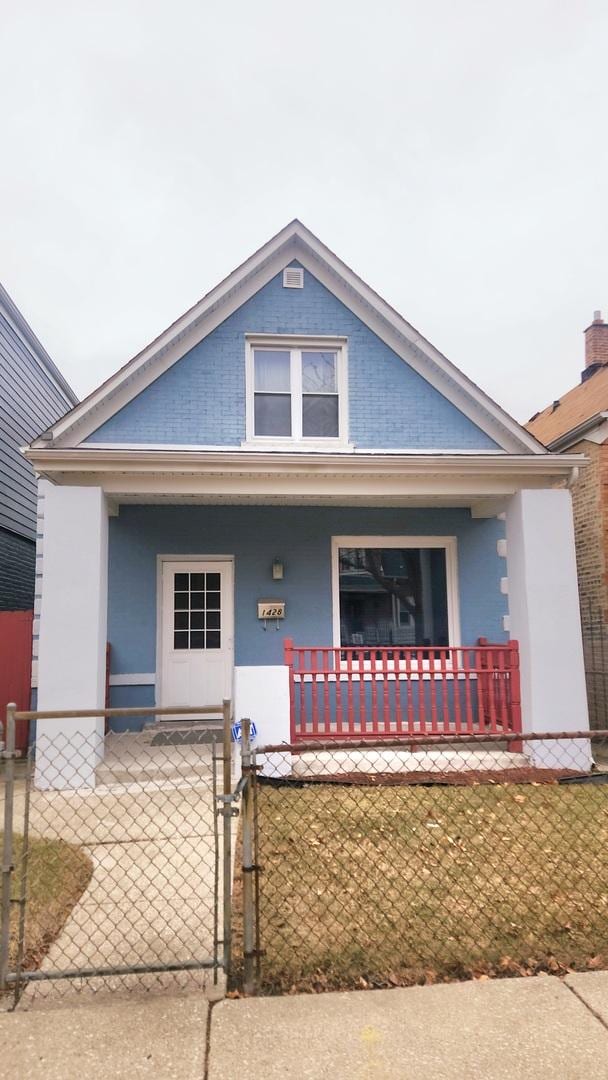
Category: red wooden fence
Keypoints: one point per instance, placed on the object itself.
(370, 692)
(16, 666)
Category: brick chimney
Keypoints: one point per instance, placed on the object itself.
(596, 346)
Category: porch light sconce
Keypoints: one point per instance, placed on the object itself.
(277, 570)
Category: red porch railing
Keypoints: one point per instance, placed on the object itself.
(373, 692)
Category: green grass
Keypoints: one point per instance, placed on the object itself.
(403, 885)
(57, 875)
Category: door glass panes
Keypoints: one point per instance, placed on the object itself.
(319, 395)
(197, 611)
(272, 392)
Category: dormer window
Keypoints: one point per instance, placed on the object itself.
(296, 391)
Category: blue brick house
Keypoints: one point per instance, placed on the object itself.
(291, 499)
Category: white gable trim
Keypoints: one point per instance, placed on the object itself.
(295, 241)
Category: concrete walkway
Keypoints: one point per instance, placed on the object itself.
(520, 1029)
(148, 830)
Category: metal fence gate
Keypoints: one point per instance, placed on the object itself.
(116, 853)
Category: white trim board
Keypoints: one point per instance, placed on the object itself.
(134, 679)
(450, 545)
(294, 241)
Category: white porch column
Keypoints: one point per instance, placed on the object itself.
(73, 630)
(545, 619)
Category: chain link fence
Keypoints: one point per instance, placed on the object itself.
(113, 855)
(423, 861)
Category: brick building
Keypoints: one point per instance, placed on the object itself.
(578, 423)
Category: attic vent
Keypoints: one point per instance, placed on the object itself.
(293, 277)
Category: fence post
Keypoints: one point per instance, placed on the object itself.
(248, 867)
(7, 843)
(227, 836)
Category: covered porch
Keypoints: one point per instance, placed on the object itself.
(419, 594)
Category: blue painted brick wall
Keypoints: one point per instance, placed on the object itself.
(201, 399)
(301, 536)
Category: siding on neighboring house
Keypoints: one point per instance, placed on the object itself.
(33, 394)
(201, 399)
(17, 566)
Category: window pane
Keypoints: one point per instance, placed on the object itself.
(272, 414)
(181, 601)
(180, 620)
(213, 581)
(197, 640)
(393, 596)
(197, 600)
(213, 639)
(320, 416)
(180, 639)
(319, 372)
(197, 620)
(213, 620)
(181, 581)
(272, 371)
(213, 600)
(197, 581)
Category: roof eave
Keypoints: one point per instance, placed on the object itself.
(85, 460)
(575, 434)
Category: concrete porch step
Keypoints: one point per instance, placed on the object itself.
(133, 758)
(132, 773)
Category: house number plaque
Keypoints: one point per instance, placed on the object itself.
(271, 609)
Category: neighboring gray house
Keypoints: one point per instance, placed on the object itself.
(33, 394)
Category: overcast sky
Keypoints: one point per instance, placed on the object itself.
(452, 152)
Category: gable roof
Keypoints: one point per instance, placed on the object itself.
(585, 402)
(295, 241)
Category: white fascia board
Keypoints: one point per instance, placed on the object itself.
(59, 462)
(295, 241)
(338, 488)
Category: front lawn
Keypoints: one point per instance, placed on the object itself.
(57, 875)
(386, 886)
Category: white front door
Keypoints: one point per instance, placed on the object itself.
(197, 633)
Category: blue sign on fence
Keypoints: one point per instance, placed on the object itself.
(237, 733)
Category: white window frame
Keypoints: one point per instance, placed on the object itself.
(296, 344)
(449, 545)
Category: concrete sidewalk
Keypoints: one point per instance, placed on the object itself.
(516, 1029)
(520, 1029)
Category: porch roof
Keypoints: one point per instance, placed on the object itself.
(481, 481)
